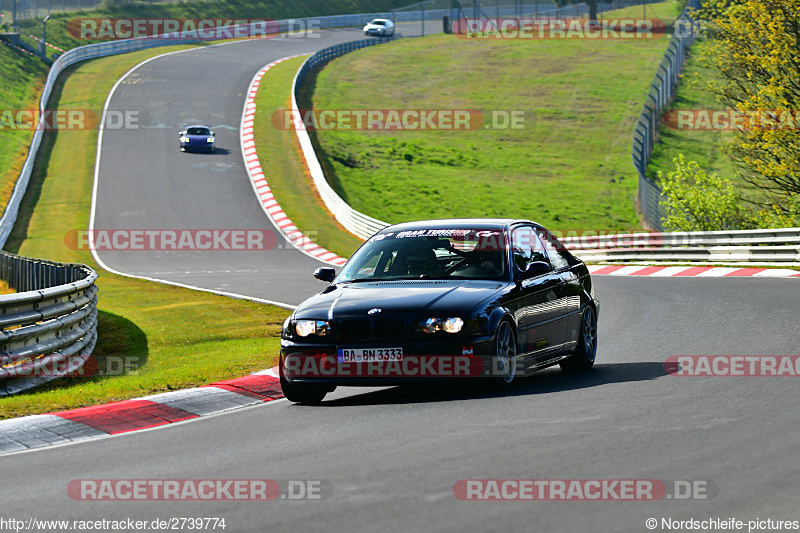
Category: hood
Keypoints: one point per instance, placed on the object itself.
(399, 298)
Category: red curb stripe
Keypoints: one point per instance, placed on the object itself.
(237, 390)
(127, 415)
(647, 271)
(261, 385)
(745, 272)
(608, 269)
(268, 201)
(693, 271)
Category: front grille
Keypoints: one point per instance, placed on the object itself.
(356, 329)
(369, 329)
(387, 328)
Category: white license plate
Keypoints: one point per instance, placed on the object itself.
(368, 355)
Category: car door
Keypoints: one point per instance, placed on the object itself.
(534, 299)
(567, 322)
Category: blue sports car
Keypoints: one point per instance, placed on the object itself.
(197, 137)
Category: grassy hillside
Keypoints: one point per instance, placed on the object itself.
(702, 146)
(20, 81)
(569, 165)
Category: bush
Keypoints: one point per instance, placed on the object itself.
(696, 201)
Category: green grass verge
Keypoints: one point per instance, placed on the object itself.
(283, 166)
(171, 338)
(569, 167)
(696, 145)
(21, 79)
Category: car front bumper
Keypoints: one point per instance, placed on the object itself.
(422, 360)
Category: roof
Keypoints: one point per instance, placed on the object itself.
(472, 223)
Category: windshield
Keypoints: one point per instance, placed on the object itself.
(198, 131)
(429, 254)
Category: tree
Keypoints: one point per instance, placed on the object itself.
(754, 49)
(696, 201)
(592, 5)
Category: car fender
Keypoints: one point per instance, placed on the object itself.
(498, 314)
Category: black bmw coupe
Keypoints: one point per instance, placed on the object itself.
(442, 299)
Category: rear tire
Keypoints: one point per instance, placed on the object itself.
(584, 355)
(303, 393)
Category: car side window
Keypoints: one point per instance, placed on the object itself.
(559, 257)
(526, 247)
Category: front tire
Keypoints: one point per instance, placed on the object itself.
(505, 359)
(303, 393)
(584, 355)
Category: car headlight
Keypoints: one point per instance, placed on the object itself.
(304, 328)
(184, 139)
(449, 325)
(210, 140)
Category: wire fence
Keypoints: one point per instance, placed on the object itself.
(659, 97)
(437, 16)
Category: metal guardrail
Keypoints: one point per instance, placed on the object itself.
(48, 328)
(780, 245)
(355, 222)
(659, 96)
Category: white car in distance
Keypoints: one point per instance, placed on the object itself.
(379, 27)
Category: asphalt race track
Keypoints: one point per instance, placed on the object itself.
(392, 456)
(146, 182)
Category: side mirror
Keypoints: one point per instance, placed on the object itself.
(181, 133)
(213, 134)
(325, 274)
(536, 268)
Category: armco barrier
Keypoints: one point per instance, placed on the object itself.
(659, 96)
(49, 326)
(355, 222)
(780, 245)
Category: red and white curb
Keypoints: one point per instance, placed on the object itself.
(62, 427)
(259, 181)
(689, 271)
